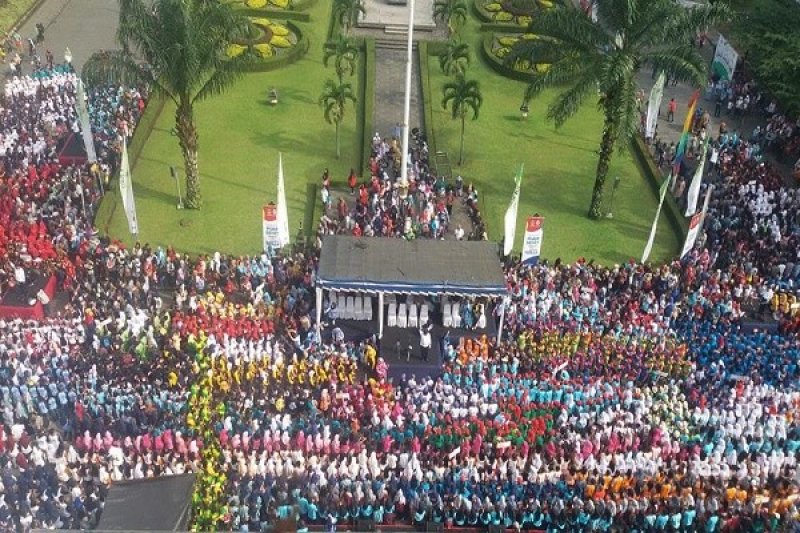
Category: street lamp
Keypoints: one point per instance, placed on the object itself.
(174, 173)
(610, 213)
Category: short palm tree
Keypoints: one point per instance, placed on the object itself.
(344, 52)
(451, 12)
(182, 43)
(346, 13)
(454, 58)
(603, 58)
(462, 97)
(333, 101)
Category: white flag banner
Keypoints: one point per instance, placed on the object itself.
(510, 220)
(653, 105)
(694, 189)
(706, 201)
(126, 191)
(283, 212)
(725, 59)
(691, 235)
(83, 120)
(532, 245)
(662, 192)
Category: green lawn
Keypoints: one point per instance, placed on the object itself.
(559, 172)
(11, 11)
(240, 137)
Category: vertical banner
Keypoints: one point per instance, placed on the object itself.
(662, 192)
(126, 190)
(694, 189)
(532, 245)
(725, 58)
(510, 221)
(691, 235)
(705, 206)
(687, 125)
(653, 105)
(283, 213)
(270, 229)
(83, 120)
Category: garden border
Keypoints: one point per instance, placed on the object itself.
(498, 65)
(293, 54)
(367, 104)
(425, 49)
(276, 14)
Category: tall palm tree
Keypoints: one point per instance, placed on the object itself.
(454, 58)
(333, 101)
(344, 52)
(182, 43)
(346, 13)
(603, 58)
(463, 97)
(451, 12)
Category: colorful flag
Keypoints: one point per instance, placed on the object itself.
(662, 192)
(126, 191)
(511, 216)
(654, 104)
(691, 235)
(687, 125)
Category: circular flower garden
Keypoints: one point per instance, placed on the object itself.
(519, 12)
(501, 44)
(265, 38)
(272, 4)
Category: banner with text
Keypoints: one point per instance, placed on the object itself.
(654, 104)
(126, 191)
(691, 235)
(532, 245)
(270, 227)
(725, 58)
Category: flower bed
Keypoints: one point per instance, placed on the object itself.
(497, 46)
(274, 43)
(518, 12)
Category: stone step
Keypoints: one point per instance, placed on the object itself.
(393, 44)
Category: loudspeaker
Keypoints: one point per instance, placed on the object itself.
(365, 524)
(434, 527)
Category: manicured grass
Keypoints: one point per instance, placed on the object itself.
(11, 11)
(559, 172)
(240, 137)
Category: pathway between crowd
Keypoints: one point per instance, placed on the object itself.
(83, 26)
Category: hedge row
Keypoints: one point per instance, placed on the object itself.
(655, 178)
(277, 14)
(367, 105)
(425, 50)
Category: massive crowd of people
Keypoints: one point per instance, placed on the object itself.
(627, 397)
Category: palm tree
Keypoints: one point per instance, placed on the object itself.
(454, 58)
(182, 43)
(604, 58)
(346, 13)
(451, 12)
(344, 53)
(462, 96)
(333, 101)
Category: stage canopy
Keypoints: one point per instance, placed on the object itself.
(421, 266)
(158, 504)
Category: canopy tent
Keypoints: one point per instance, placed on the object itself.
(419, 267)
(157, 504)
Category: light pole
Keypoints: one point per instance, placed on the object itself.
(610, 213)
(174, 173)
(403, 185)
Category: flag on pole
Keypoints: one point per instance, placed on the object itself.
(511, 215)
(691, 235)
(662, 192)
(283, 213)
(126, 191)
(705, 206)
(687, 124)
(694, 188)
(83, 120)
(654, 104)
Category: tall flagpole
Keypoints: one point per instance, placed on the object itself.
(407, 105)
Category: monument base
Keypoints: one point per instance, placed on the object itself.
(391, 16)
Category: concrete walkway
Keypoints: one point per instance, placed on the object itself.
(83, 26)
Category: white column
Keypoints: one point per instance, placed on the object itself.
(407, 102)
(380, 315)
(319, 311)
(502, 320)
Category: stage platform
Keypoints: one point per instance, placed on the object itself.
(392, 17)
(16, 301)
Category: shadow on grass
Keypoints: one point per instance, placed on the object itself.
(145, 192)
